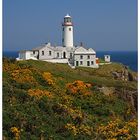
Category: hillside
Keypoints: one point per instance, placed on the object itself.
(52, 101)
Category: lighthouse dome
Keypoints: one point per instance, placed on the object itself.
(67, 16)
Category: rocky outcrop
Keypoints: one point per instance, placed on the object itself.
(108, 91)
(129, 96)
(126, 95)
(124, 75)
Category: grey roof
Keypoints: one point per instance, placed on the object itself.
(55, 48)
(76, 49)
(58, 48)
(38, 48)
(83, 50)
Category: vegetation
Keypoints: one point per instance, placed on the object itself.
(102, 60)
(52, 101)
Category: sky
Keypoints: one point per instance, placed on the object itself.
(104, 25)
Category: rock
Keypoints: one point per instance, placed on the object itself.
(126, 95)
(130, 77)
(129, 96)
(116, 75)
(124, 75)
(108, 91)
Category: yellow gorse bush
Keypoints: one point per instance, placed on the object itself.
(16, 132)
(133, 123)
(117, 128)
(67, 99)
(71, 128)
(48, 77)
(78, 87)
(74, 113)
(23, 76)
(39, 93)
(82, 129)
(9, 66)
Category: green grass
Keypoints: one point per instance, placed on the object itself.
(48, 117)
(101, 76)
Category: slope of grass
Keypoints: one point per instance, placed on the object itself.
(52, 101)
(101, 76)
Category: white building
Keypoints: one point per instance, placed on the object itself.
(67, 53)
(107, 58)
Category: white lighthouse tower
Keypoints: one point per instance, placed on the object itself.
(67, 32)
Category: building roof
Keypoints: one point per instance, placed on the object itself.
(42, 46)
(38, 48)
(76, 50)
(82, 50)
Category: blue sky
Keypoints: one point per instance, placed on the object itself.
(104, 25)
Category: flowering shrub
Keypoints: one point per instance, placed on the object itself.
(48, 77)
(7, 66)
(83, 129)
(117, 129)
(72, 128)
(53, 109)
(39, 93)
(74, 113)
(23, 76)
(67, 99)
(16, 132)
(78, 87)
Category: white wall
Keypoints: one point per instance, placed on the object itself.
(60, 54)
(107, 58)
(28, 55)
(57, 60)
(46, 53)
(22, 55)
(25, 55)
(54, 53)
(67, 35)
(35, 54)
(92, 60)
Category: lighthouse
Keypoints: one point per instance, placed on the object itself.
(67, 32)
(74, 56)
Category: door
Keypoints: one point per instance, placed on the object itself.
(77, 63)
(88, 63)
(64, 54)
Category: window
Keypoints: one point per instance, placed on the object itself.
(69, 20)
(63, 29)
(33, 52)
(88, 57)
(88, 63)
(57, 54)
(63, 40)
(81, 62)
(50, 53)
(81, 56)
(69, 29)
(42, 52)
(92, 63)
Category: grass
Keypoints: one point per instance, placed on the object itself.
(65, 113)
(101, 76)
